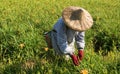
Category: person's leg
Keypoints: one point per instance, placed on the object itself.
(47, 36)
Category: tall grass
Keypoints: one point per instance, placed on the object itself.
(23, 22)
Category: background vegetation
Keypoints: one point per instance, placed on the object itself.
(23, 22)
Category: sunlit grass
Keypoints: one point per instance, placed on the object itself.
(23, 49)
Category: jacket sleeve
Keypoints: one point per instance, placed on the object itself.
(80, 42)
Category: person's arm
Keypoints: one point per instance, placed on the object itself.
(62, 42)
(80, 42)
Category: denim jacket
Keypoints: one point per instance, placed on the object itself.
(64, 39)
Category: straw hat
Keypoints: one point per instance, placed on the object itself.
(77, 18)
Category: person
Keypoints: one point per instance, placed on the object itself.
(68, 33)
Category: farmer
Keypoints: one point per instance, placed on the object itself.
(69, 31)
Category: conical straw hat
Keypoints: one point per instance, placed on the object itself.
(77, 18)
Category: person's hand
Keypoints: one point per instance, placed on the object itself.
(80, 54)
(74, 59)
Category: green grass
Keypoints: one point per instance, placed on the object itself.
(23, 22)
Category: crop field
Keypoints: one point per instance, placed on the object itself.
(23, 49)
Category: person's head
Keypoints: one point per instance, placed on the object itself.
(77, 18)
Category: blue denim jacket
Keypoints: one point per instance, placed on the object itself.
(64, 38)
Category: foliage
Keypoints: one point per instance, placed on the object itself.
(23, 22)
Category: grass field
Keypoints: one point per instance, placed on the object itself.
(23, 22)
